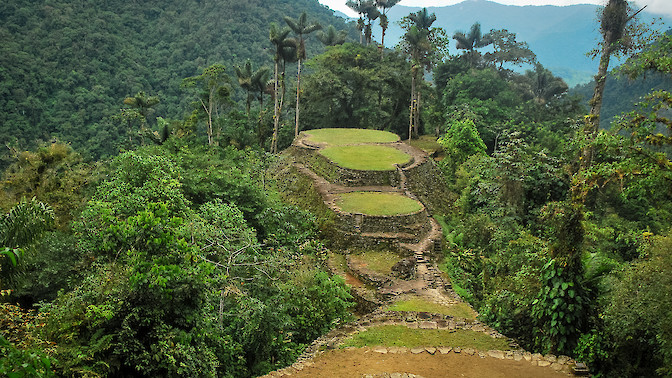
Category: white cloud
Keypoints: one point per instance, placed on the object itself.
(663, 7)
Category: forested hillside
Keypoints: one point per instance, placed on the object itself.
(66, 66)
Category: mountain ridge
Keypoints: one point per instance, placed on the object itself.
(561, 36)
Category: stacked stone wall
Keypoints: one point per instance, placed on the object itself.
(426, 181)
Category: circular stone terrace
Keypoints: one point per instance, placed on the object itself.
(358, 149)
(377, 203)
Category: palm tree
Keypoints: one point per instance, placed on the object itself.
(278, 38)
(416, 43)
(143, 103)
(212, 90)
(300, 27)
(19, 228)
(544, 86)
(359, 7)
(331, 37)
(244, 75)
(422, 19)
(259, 85)
(372, 14)
(472, 41)
(384, 6)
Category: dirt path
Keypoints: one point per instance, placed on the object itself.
(364, 362)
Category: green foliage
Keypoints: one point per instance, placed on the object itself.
(459, 143)
(559, 310)
(489, 97)
(637, 320)
(20, 228)
(22, 352)
(52, 264)
(16, 363)
(351, 87)
(55, 174)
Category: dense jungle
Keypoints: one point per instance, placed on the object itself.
(151, 225)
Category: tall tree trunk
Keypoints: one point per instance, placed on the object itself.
(416, 122)
(382, 45)
(592, 122)
(276, 112)
(298, 93)
(411, 117)
(260, 131)
(248, 104)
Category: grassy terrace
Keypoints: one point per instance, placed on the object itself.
(375, 203)
(393, 335)
(339, 137)
(377, 261)
(366, 157)
(460, 310)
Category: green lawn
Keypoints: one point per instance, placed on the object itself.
(377, 261)
(396, 335)
(339, 137)
(366, 157)
(375, 203)
(426, 143)
(460, 310)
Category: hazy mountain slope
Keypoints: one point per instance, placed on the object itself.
(560, 36)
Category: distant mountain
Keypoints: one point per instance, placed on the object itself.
(560, 36)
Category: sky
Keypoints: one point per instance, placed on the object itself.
(663, 7)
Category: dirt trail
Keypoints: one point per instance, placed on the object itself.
(365, 362)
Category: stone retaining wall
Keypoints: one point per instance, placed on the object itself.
(373, 241)
(415, 223)
(336, 174)
(426, 182)
(367, 276)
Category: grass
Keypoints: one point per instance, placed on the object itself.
(374, 203)
(396, 335)
(426, 143)
(366, 157)
(339, 137)
(460, 310)
(377, 261)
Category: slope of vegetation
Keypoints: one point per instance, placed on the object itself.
(183, 256)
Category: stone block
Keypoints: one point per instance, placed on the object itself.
(430, 350)
(428, 325)
(496, 354)
(417, 350)
(543, 363)
(470, 351)
(445, 350)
